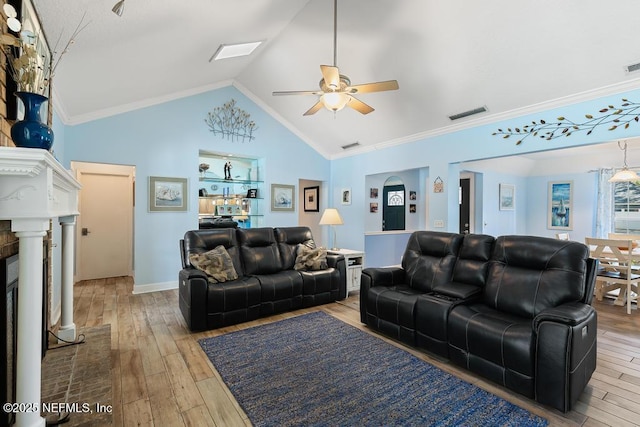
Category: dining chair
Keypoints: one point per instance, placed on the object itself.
(615, 271)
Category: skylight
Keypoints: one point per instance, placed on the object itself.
(234, 50)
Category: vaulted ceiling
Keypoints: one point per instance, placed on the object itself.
(448, 57)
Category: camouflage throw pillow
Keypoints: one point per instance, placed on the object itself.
(311, 258)
(216, 263)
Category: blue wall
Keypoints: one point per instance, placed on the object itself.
(164, 140)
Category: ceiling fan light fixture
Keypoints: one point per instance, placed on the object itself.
(335, 101)
(118, 8)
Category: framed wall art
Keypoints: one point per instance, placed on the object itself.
(507, 197)
(346, 196)
(560, 206)
(283, 198)
(168, 194)
(311, 195)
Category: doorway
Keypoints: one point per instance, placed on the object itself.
(393, 204)
(466, 202)
(104, 232)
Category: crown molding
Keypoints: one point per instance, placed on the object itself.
(125, 108)
(284, 122)
(499, 117)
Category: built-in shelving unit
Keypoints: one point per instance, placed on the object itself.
(237, 193)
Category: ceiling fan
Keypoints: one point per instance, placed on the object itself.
(336, 90)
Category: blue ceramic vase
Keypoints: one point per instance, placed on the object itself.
(31, 132)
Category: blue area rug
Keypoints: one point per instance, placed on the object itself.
(316, 370)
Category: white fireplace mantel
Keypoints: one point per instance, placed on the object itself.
(35, 188)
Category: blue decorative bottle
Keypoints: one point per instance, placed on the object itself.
(31, 132)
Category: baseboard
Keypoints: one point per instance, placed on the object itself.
(154, 287)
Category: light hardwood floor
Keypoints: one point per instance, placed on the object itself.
(161, 377)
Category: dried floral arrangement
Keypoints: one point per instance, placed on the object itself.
(29, 67)
(611, 116)
(231, 122)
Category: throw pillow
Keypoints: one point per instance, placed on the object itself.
(216, 263)
(310, 258)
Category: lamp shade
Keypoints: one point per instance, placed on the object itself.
(625, 175)
(331, 216)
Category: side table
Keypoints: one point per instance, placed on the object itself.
(354, 261)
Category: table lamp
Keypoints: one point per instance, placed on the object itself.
(332, 217)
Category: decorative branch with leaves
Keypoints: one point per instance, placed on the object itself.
(231, 122)
(610, 116)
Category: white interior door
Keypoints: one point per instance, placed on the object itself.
(105, 225)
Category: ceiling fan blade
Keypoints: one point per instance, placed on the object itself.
(374, 87)
(298, 92)
(316, 107)
(331, 76)
(359, 106)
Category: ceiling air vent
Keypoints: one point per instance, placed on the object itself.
(468, 113)
(346, 147)
(633, 67)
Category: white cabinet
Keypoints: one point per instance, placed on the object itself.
(354, 262)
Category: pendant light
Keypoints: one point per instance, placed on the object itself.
(118, 8)
(624, 174)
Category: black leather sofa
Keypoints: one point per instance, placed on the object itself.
(267, 282)
(514, 309)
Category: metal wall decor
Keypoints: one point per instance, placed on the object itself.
(231, 122)
(611, 116)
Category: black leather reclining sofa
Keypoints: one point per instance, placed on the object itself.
(267, 282)
(514, 309)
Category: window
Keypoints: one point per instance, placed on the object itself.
(626, 207)
(396, 198)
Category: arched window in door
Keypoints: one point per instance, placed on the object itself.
(393, 204)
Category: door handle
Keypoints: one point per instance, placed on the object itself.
(85, 231)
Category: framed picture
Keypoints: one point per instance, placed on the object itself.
(373, 193)
(252, 193)
(346, 196)
(311, 199)
(413, 208)
(283, 198)
(560, 206)
(507, 197)
(373, 207)
(168, 194)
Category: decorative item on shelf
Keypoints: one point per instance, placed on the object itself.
(611, 116)
(438, 185)
(31, 67)
(624, 174)
(203, 168)
(331, 217)
(252, 193)
(227, 171)
(31, 132)
(231, 122)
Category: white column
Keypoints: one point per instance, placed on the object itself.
(29, 349)
(67, 330)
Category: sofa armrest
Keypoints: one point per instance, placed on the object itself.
(570, 314)
(380, 276)
(337, 261)
(565, 353)
(384, 275)
(193, 285)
